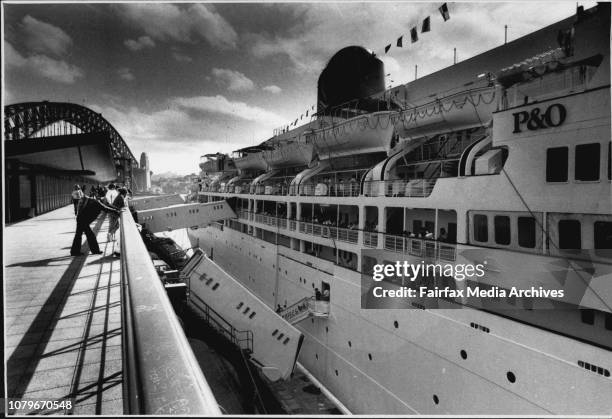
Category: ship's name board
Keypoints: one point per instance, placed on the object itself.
(553, 116)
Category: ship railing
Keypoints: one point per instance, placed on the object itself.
(415, 188)
(370, 239)
(336, 233)
(292, 225)
(342, 189)
(151, 332)
(425, 248)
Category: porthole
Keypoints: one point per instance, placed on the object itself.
(396, 324)
(275, 332)
(286, 341)
(511, 377)
(463, 354)
(280, 336)
(317, 356)
(336, 373)
(370, 357)
(252, 315)
(436, 400)
(350, 344)
(215, 286)
(239, 306)
(326, 329)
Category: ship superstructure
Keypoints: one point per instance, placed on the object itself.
(501, 160)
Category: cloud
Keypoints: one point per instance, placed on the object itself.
(182, 58)
(141, 43)
(42, 65)
(233, 80)
(272, 89)
(41, 37)
(219, 104)
(125, 74)
(175, 136)
(185, 23)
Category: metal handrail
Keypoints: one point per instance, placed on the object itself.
(162, 375)
(427, 248)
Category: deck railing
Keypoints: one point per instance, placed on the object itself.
(161, 374)
(416, 188)
(424, 248)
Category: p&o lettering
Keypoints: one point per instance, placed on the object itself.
(534, 120)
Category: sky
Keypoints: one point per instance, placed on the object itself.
(179, 80)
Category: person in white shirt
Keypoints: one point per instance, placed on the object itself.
(77, 194)
(111, 194)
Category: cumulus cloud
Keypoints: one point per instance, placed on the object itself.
(233, 80)
(184, 23)
(181, 58)
(42, 65)
(125, 74)
(140, 43)
(272, 89)
(44, 38)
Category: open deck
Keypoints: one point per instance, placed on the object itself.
(62, 317)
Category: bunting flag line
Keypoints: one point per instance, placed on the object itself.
(399, 41)
(414, 36)
(426, 26)
(444, 12)
(387, 48)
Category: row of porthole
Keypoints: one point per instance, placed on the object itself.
(209, 281)
(193, 211)
(280, 336)
(216, 207)
(170, 214)
(480, 327)
(246, 310)
(594, 368)
(147, 218)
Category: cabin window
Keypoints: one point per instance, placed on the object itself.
(603, 238)
(527, 232)
(556, 164)
(610, 161)
(481, 231)
(587, 162)
(569, 234)
(502, 229)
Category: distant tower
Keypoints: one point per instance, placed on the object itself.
(144, 164)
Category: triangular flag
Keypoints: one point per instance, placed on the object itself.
(425, 27)
(387, 48)
(444, 12)
(399, 41)
(414, 36)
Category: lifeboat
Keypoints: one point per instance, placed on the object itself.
(250, 158)
(297, 153)
(454, 112)
(366, 133)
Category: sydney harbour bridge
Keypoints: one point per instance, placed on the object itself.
(51, 146)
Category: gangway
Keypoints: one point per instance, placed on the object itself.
(273, 343)
(305, 308)
(184, 216)
(152, 202)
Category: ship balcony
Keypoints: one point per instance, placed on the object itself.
(414, 188)
(419, 247)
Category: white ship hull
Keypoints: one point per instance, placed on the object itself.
(371, 366)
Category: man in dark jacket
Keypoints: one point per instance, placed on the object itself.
(87, 212)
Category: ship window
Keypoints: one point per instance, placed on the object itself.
(587, 316)
(481, 232)
(502, 229)
(610, 161)
(587, 161)
(527, 232)
(569, 234)
(603, 238)
(608, 321)
(556, 164)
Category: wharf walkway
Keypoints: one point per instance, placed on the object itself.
(62, 317)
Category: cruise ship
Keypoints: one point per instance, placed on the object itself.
(501, 160)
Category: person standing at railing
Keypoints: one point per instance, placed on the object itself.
(88, 210)
(119, 203)
(77, 194)
(443, 237)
